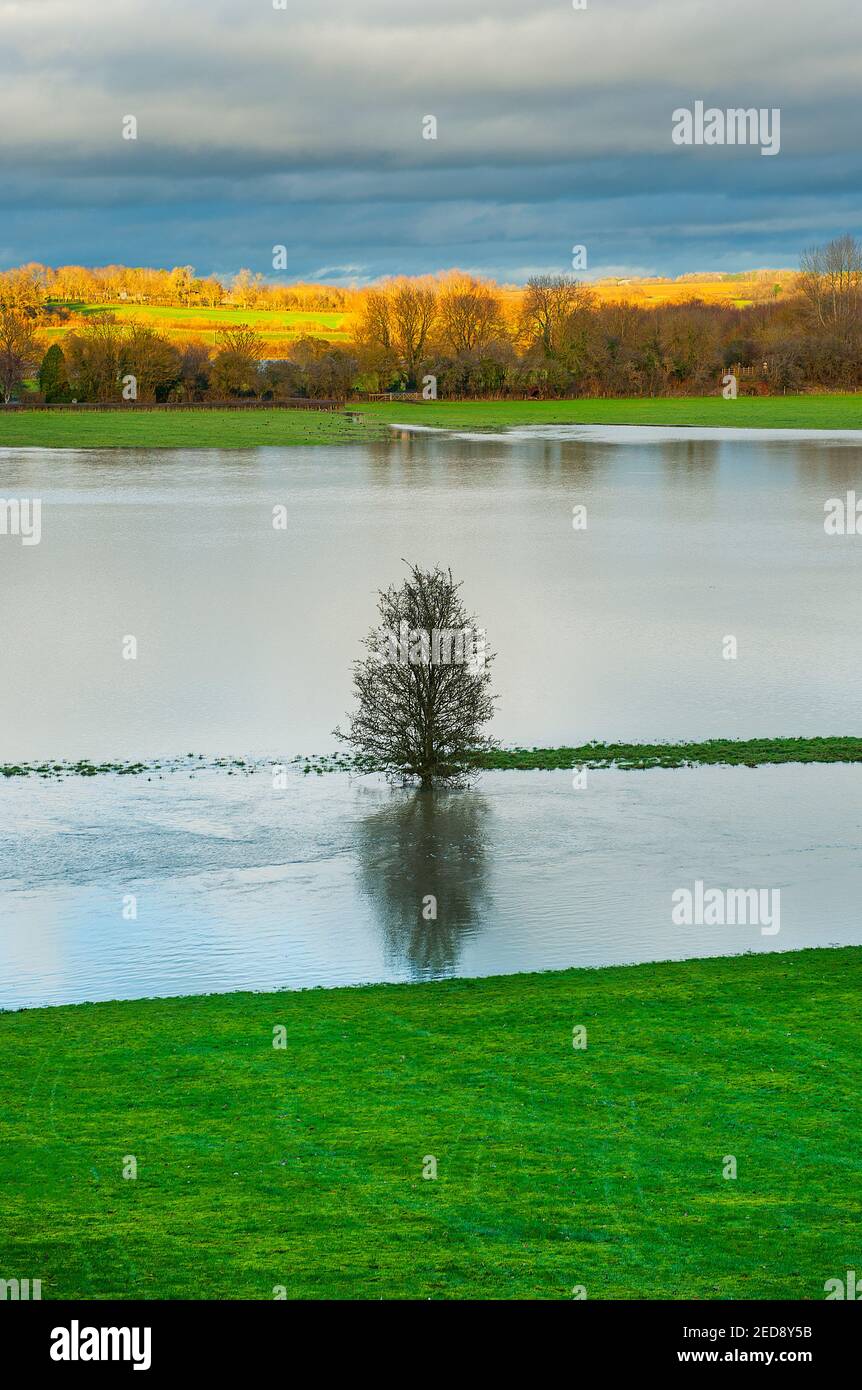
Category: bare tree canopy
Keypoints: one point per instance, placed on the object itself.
(550, 303)
(20, 349)
(424, 687)
(831, 281)
(470, 314)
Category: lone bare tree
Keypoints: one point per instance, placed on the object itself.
(424, 687)
(831, 281)
(20, 350)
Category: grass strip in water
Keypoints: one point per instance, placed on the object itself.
(754, 752)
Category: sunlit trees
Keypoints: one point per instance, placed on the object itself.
(396, 324)
(104, 353)
(209, 291)
(246, 289)
(375, 323)
(93, 356)
(24, 288)
(555, 336)
(235, 370)
(413, 310)
(152, 360)
(549, 305)
(373, 337)
(470, 316)
(180, 283)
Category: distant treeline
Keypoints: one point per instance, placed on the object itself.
(454, 335)
(38, 285)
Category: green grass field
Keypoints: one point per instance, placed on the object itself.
(278, 326)
(197, 429)
(556, 1167)
(291, 318)
(210, 429)
(773, 412)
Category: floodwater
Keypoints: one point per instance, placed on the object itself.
(236, 885)
(118, 887)
(245, 633)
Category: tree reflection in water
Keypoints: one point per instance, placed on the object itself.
(425, 844)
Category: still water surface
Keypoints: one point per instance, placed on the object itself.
(246, 634)
(239, 886)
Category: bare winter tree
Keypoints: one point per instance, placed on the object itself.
(413, 310)
(549, 304)
(424, 687)
(470, 314)
(831, 281)
(20, 350)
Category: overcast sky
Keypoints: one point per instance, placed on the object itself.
(303, 126)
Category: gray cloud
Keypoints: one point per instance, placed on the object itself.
(303, 126)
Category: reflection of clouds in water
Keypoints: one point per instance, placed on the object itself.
(421, 844)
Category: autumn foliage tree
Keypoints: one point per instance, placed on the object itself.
(235, 369)
(413, 311)
(93, 356)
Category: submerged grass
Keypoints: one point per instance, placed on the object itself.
(753, 752)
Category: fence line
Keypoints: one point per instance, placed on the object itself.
(292, 403)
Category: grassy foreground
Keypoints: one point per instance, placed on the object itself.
(244, 429)
(556, 1167)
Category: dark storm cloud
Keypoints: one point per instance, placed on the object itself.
(258, 126)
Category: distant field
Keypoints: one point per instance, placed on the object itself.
(651, 293)
(737, 291)
(277, 326)
(245, 429)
